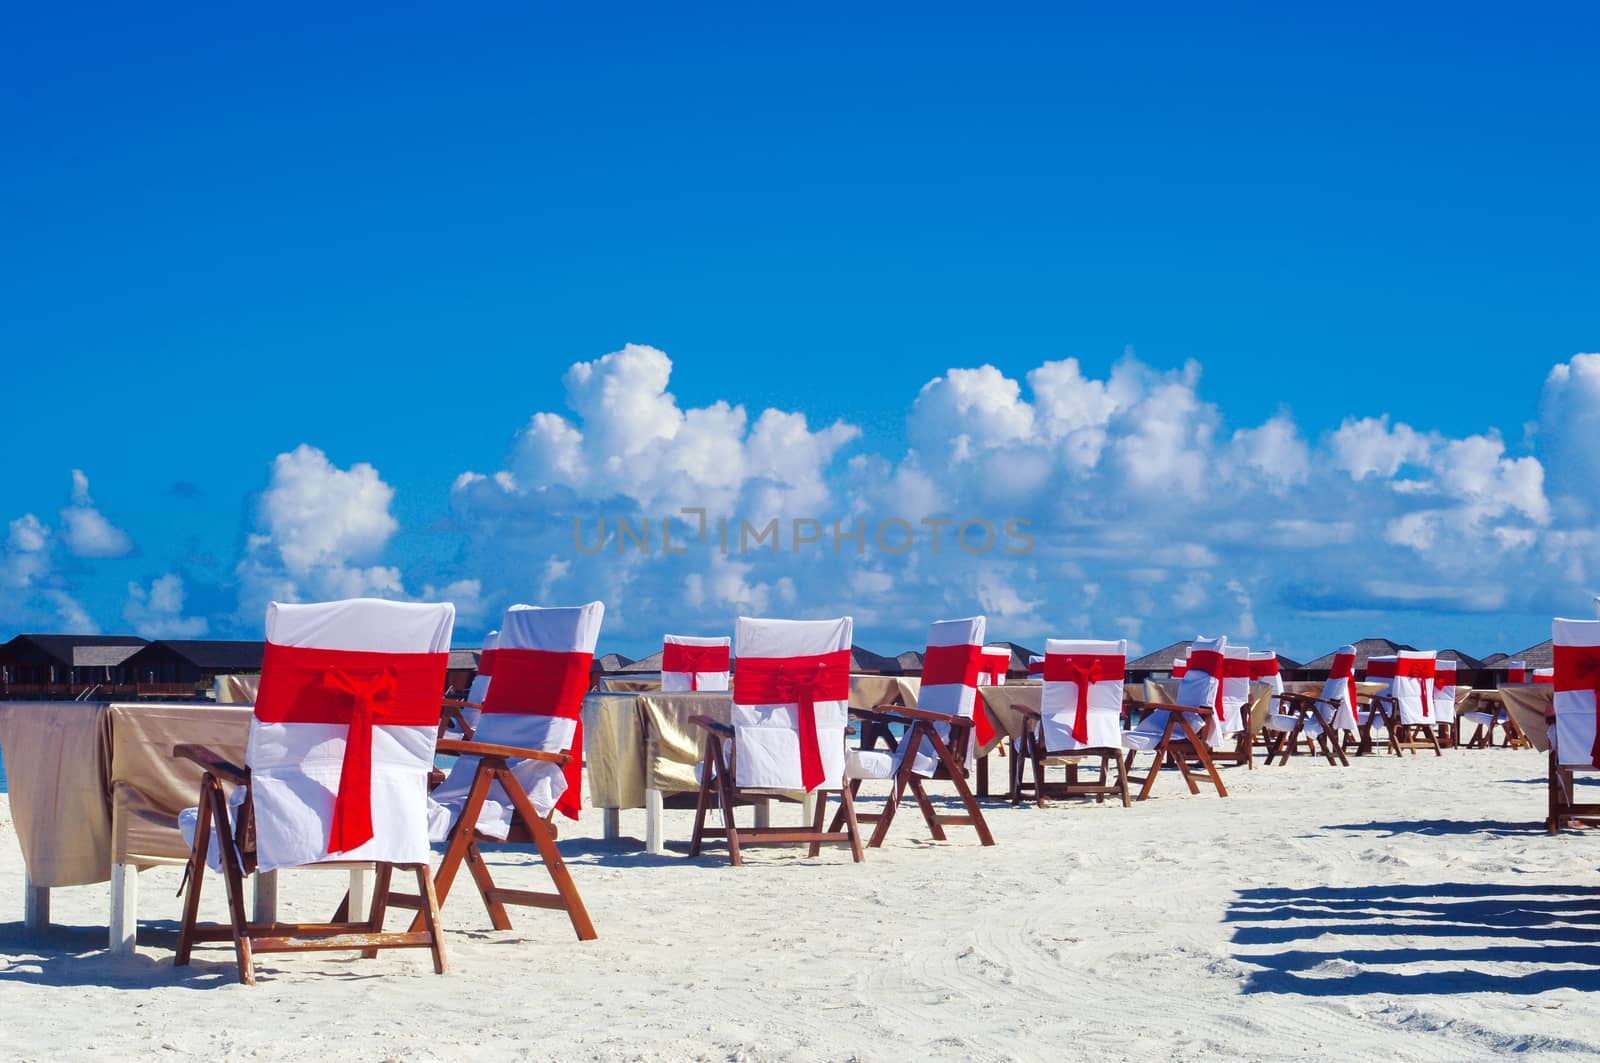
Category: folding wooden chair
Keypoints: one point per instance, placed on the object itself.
(791, 696)
(1316, 720)
(1169, 731)
(523, 762)
(1079, 718)
(1444, 702)
(341, 743)
(1231, 739)
(691, 663)
(1411, 690)
(939, 741)
(1575, 738)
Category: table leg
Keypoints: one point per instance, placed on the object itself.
(983, 776)
(652, 822)
(124, 930)
(808, 808)
(358, 893)
(266, 901)
(35, 906)
(613, 824)
(764, 813)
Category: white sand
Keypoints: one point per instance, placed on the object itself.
(1409, 910)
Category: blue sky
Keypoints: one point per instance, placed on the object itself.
(387, 234)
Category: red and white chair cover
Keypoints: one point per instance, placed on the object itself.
(1382, 671)
(1035, 667)
(995, 666)
(1341, 685)
(1233, 699)
(950, 669)
(1544, 675)
(1180, 665)
(1444, 691)
(1516, 672)
(1200, 686)
(541, 673)
(1081, 704)
(342, 733)
(480, 681)
(1411, 687)
(690, 663)
(791, 696)
(1264, 669)
(1577, 692)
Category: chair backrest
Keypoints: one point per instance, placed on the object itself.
(1234, 695)
(480, 682)
(341, 740)
(1180, 665)
(791, 695)
(950, 666)
(1382, 670)
(1035, 666)
(1264, 669)
(1444, 691)
(996, 665)
(1081, 704)
(1516, 671)
(1202, 675)
(541, 673)
(1577, 685)
(1412, 685)
(1544, 675)
(690, 663)
(1341, 686)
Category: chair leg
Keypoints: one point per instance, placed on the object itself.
(430, 917)
(195, 873)
(233, 877)
(703, 803)
(819, 814)
(958, 776)
(546, 843)
(1122, 782)
(851, 825)
(382, 877)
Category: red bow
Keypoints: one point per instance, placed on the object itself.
(678, 657)
(1578, 668)
(300, 684)
(545, 683)
(1084, 669)
(804, 681)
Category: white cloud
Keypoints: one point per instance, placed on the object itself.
(85, 530)
(157, 613)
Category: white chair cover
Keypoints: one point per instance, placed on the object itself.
(1264, 669)
(767, 734)
(479, 691)
(1576, 680)
(995, 667)
(1233, 703)
(1341, 686)
(1444, 691)
(296, 768)
(570, 631)
(674, 680)
(1087, 674)
(1380, 671)
(1411, 684)
(1200, 686)
(948, 686)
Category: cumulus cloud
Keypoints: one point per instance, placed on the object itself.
(85, 529)
(156, 612)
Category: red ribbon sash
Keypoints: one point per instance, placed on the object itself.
(1035, 668)
(1264, 669)
(946, 665)
(802, 681)
(1516, 675)
(486, 663)
(677, 657)
(1578, 668)
(545, 683)
(1377, 669)
(362, 690)
(1180, 670)
(1344, 667)
(1084, 669)
(1537, 678)
(1416, 668)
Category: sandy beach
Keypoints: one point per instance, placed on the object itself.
(1414, 910)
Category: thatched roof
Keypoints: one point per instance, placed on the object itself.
(910, 662)
(1462, 660)
(864, 660)
(1364, 648)
(1160, 660)
(614, 662)
(1541, 655)
(651, 663)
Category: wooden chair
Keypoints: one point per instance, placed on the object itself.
(1079, 718)
(1170, 733)
(1444, 702)
(1305, 717)
(791, 696)
(939, 740)
(1412, 693)
(341, 741)
(691, 663)
(523, 761)
(1575, 738)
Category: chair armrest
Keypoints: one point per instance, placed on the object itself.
(457, 703)
(712, 725)
(878, 715)
(212, 761)
(1159, 706)
(487, 749)
(906, 715)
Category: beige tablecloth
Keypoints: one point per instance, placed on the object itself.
(149, 786)
(237, 689)
(76, 771)
(613, 750)
(1531, 706)
(616, 684)
(1008, 722)
(870, 691)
